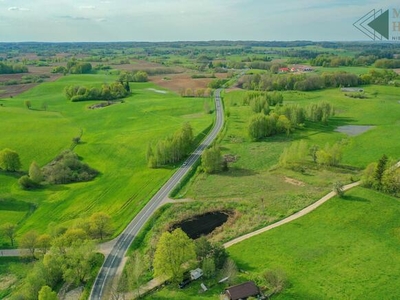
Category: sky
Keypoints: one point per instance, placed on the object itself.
(183, 20)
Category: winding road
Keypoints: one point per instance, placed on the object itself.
(115, 258)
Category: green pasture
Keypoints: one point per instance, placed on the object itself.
(346, 249)
(114, 141)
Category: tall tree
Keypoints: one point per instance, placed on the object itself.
(78, 262)
(211, 160)
(8, 230)
(9, 160)
(35, 173)
(380, 169)
(100, 225)
(172, 252)
(29, 241)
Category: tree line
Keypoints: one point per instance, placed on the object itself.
(300, 82)
(12, 68)
(200, 93)
(113, 91)
(134, 76)
(267, 122)
(172, 149)
(298, 154)
(74, 67)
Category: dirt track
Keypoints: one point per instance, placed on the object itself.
(289, 219)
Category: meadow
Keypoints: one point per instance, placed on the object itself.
(346, 249)
(12, 269)
(114, 142)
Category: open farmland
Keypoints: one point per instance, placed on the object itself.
(114, 142)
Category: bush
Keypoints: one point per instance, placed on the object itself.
(26, 183)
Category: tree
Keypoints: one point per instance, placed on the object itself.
(380, 169)
(338, 189)
(44, 242)
(9, 160)
(35, 173)
(100, 225)
(313, 152)
(211, 160)
(29, 241)
(78, 261)
(26, 183)
(46, 293)
(173, 250)
(230, 270)
(135, 270)
(8, 229)
(208, 267)
(28, 104)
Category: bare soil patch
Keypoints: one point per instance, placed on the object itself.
(6, 281)
(14, 90)
(353, 130)
(294, 181)
(177, 82)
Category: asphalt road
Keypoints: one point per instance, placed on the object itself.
(114, 259)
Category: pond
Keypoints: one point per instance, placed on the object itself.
(203, 224)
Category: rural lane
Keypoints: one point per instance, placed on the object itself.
(114, 259)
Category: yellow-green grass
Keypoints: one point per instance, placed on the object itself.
(346, 249)
(254, 185)
(114, 142)
(12, 269)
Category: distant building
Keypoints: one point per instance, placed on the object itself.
(242, 291)
(284, 70)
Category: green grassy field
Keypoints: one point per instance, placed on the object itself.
(262, 193)
(346, 249)
(114, 142)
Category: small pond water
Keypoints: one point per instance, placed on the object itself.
(202, 224)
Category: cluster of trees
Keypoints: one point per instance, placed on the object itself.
(65, 255)
(297, 153)
(383, 175)
(258, 99)
(300, 82)
(67, 168)
(201, 93)
(9, 160)
(12, 68)
(217, 83)
(115, 90)
(284, 119)
(172, 149)
(385, 63)
(378, 77)
(134, 76)
(379, 60)
(76, 67)
(176, 253)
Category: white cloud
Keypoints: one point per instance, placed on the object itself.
(15, 8)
